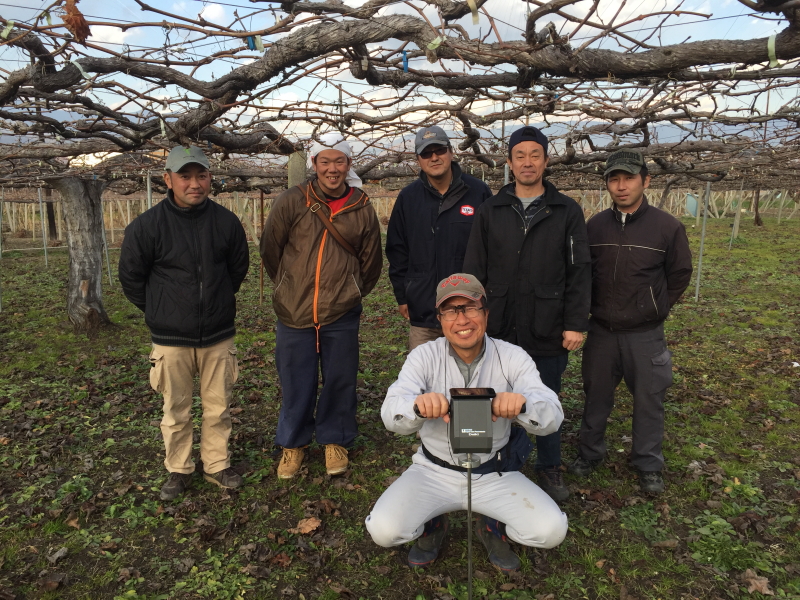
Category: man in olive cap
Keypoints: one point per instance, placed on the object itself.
(182, 263)
(641, 264)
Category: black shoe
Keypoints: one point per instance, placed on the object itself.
(552, 482)
(492, 534)
(426, 550)
(227, 478)
(583, 467)
(175, 485)
(651, 482)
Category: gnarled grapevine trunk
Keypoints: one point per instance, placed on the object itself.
(83, 218)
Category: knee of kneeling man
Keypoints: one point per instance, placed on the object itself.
(554, 532)
(383, 531)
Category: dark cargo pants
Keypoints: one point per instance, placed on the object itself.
(643, 361)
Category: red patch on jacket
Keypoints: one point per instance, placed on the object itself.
(467, 210)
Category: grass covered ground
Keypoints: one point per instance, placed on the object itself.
(81, 460)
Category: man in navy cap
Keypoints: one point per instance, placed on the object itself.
(529, 248)
(428, 231)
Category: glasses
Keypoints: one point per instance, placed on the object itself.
(438, 151)
(451, 312)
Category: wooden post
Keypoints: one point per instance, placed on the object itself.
(44, 231)
(261, 262)
(780, 206)
(297, 169)
(737, 217)
(60, 218)
(111, 221)
(149, 191)
(702, 241)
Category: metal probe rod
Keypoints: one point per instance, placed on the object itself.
(469, 525)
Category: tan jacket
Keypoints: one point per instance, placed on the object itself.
(316, 280)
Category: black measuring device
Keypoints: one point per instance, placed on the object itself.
(470, 432)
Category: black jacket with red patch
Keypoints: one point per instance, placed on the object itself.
(427, 238)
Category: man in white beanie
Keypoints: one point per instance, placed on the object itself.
(321, 248)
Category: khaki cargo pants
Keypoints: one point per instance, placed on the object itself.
(172, 371)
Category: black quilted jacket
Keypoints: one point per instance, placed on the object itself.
(183, 267)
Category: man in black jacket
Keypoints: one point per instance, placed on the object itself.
(529, 248)
(428, 231)
(641, 264)
(182, 263)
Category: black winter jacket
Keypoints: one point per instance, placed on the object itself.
(538, 281)
(639, 268)
(427, 237)
(182, 267)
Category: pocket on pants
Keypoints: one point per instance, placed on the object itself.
(662, 371)
(157, 370)
(233, 365)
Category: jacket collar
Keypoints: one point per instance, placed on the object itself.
(187, 212)
(508, 195)
(634, 215)
(317, 195)
(455, 182)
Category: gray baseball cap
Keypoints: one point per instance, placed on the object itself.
(459, 284)
(430, 136)
(630, 161)
(180, 156)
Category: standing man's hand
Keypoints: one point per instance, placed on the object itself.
(507, 405)
(403, 308)
(572, 340)
(433, 405)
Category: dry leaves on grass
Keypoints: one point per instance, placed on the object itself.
(52, 581)
(755, 583)
(72, 520)
(306, 526)
(57, 555)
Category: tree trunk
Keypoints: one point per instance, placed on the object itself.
(52, 230)
(84, 222)
(757, 220)
(665, 194)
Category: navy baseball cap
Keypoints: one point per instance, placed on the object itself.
(527, 134)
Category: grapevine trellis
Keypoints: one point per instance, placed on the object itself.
(86, 114)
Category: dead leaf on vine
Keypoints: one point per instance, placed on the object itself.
(73, 19)
(306, 525)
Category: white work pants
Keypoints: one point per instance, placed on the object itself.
(426, 490)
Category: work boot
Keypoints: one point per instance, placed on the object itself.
(583, 467)
(429, 544)
(335, 459)
(651, 482)
(227, 478)
(290, 462)
(552, 482)
(176, 484)
(492, 534)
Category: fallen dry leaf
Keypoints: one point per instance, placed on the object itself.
(52, 581)
(665, 544)
(57, 555)
(72, 520)
(282, 560)
(306, 525)
(109, 547)
(235, 411)
(256, 571)
(126, 573)
(755, 583)
(4, 441)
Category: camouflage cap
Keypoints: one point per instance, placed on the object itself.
(630, 161)
(459, 284)
(180, 156)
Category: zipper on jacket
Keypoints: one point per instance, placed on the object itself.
(614, 280)
(572, 250)
(654, 299)
(199, 273)
(315, 304)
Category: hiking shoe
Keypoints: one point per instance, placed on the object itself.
(551, 481)
(290, 462)
(227, 478)
(175, 485)
(651, 482)
(583, 467)
(492, 534)
(429, 544)
(335, 459)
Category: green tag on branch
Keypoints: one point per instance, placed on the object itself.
(474, 8)
(9, 27)
(435, 43)
(773, 60)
